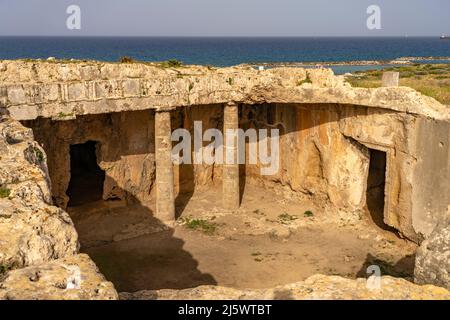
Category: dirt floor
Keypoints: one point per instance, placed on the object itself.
(274, 239)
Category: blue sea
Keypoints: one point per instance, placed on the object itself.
(226, 51)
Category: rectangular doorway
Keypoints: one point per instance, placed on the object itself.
(376, 186)
(86, 177)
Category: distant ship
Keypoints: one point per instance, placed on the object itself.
(444, 37)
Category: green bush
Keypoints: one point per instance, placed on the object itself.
(308, 214)
(63, 115)
(126, 59)
(4, 269)
(4, 192)
(205, 226)
(39, 154)
(286, 218)
(172, 63)
(442, 77)
(407, 74)
(306, 80)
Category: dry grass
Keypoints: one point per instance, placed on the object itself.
(430, 80)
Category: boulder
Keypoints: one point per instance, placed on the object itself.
(34, 235)
(317, 287)
(32, 231)
(433, 258)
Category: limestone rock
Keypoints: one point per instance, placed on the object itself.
(92, 87)
(433, 258)
(32, 235)
(318, 287)
(72, 278)
(23, 168)
(31, 231)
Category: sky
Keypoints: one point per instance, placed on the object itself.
(224, 17)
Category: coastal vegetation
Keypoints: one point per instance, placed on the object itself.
(4, 192)
(430, 79)
(172, 63)
(306, 80)
(203, 225)
(4, 269)
(126, 59)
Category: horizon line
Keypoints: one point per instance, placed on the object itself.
(219, 36)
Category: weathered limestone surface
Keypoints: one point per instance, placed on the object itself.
(31, 230)
(430, 173)
(433, 258)
(317, 287)
(165, 197)
(230, 169)
(33, 233)
(317, 159)
(63, 90)
(125, 151)
(325, 153)
(390, 79)
(188, 177)
(71, 278)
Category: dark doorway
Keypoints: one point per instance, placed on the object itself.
(86, 180)
(376, 185)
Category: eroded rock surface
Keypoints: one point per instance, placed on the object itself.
(433, 258)
(71, 278)
(32, 231)
(64, 90)
(317, 287)
(33, 235)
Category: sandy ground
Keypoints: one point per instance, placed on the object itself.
(270, 241)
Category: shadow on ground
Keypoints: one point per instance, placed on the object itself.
(154, 260)
(404, 268)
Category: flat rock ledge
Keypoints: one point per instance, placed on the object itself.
(72, 278)
(317, 287)
(63, 90)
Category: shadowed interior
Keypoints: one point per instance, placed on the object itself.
(86, 180)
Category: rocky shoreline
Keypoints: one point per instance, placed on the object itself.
(395, 62)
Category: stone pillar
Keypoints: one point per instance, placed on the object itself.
(390, 79)
(165, 199)
(230, 170)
